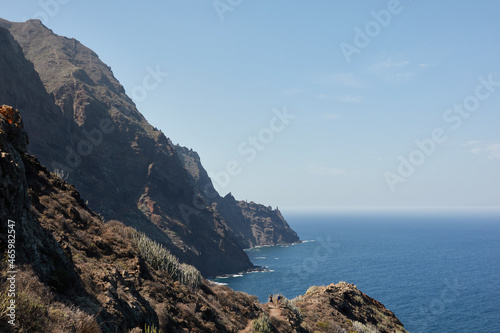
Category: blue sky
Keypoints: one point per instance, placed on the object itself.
(346, 131)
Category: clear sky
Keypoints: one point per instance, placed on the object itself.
(311, 103)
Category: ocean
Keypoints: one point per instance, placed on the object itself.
(438, 272)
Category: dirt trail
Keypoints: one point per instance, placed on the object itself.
(249, 328)
(273, 311)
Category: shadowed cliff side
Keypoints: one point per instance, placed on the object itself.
(90, 131)
(77, 274)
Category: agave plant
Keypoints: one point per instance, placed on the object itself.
(161, 259)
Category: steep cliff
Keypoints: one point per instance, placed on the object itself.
(78, 274)
(30, 240)
(85, 127)
(20, 85)
(253, 224)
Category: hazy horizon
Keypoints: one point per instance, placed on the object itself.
(381, 104)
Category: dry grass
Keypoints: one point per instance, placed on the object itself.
(37, 310)
(362, 328)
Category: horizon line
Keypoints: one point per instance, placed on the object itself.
(372, 209)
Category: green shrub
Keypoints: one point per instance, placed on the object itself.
(290, 304)
(262, 325)
(150, 329)
(337, 329)
(60, 173)
(312, 289)
(330, 327)
(359, 299)
(362, 328)
(161, 259)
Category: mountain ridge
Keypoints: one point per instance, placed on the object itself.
(92, 133)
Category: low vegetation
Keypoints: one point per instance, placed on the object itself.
(289, 304)
(161, 259)
(262, 324)
(150, 329)
(38, 310)
(362, 328)
(313, 289)
(330, 327)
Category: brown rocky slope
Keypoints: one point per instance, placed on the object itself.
(83, 125)
(78, 274)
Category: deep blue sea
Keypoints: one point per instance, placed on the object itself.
(438, 272)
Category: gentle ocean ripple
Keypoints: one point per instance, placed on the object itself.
(437, 273)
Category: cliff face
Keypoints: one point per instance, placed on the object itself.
(15, 204)
(78, 274)
(20, 85)
(253, 224)
(85, 127)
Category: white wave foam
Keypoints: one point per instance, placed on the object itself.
(219, 283)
